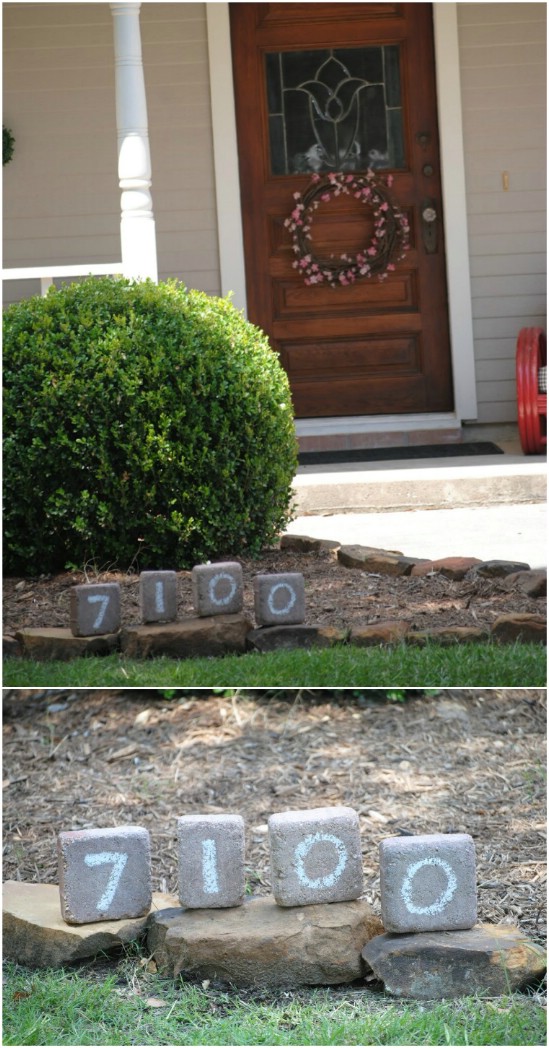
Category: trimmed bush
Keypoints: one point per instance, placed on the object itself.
(143, 424)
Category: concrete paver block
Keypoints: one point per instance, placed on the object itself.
(217, 588)
(279, 599)
(95, 609)
(211, 861)
(158, 596)
(428, 882)
(104, 875)
(315, 856)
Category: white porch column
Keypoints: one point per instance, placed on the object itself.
(137, 228)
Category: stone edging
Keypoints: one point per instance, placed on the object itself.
(223, 634)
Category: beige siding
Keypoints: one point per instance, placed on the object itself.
(503, 62)
(61, 195)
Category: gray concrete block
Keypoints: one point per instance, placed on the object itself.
(104, 875)
(279, 599)
(95, 609)
(211, 861)
(217, 588)
(158, 596)
(315, 856)
(428, 882)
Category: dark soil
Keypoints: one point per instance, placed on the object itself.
(458, 760)
(334, 595)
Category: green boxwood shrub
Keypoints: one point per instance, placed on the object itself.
(140, 420)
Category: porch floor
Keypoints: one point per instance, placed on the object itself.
(492, 507)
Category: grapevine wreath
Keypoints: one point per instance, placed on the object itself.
(389, 243)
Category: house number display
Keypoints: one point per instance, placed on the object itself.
(427, 881)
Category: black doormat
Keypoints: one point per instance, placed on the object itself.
(317, 458)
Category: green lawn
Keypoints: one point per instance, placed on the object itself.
(126, 1005)
(464, 665)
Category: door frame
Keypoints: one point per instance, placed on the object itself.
(229, 215)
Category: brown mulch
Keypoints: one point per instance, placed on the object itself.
(335, 595)
(458, 760)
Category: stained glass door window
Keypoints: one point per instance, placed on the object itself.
(336, 109)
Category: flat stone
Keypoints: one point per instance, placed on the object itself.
(523, 627)
(451, 567)
(59, 643)
(306, 544)
(10, 646)
(262, 944)
(376, 561)
(375, 633)
(532, 583)
(35, 934)
(447, 635)
(498, 569)
(213, 635)
(490, 959)
(278, 638)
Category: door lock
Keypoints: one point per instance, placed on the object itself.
(429, 226)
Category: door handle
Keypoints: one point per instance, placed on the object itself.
(429, 225)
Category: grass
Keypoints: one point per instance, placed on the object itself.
(463, 665)
(128, 1006)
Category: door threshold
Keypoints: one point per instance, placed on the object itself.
(377, 431)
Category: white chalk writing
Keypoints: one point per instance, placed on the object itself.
(443, 900)
(119, 860)
(303, 849)
(215, 579)
(290, 601)
(102, 599)
(209, 866)
(159, 597)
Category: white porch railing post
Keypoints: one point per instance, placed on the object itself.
(137, 228)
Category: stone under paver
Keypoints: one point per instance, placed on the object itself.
(218, 589)
(95, 609)
(279, 600)
(56, 642)
(390, 631)
(215, 635)
(35, 934)
(211, 861)
(104, 874)
(316, 856)
(428, 882)
(520, 627)
(494, 960)
(285, 638)
(262, 944)
(158, 596)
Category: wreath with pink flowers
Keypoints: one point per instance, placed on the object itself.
(387, 246)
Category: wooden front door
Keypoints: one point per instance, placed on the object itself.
(343, 89)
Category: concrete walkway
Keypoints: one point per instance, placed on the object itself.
(491, 507)
(503, 532)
